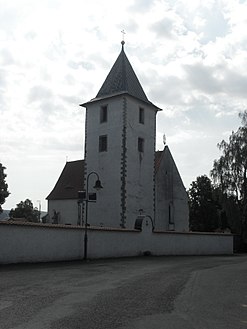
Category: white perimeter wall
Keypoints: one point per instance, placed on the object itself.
(30, 242)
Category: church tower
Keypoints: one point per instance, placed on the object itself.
(120, 147)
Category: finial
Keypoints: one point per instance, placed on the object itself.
(123, 42)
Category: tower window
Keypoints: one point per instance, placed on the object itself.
(170, 214)
(141, 115)
(103, 143)
(103, 114)
(140, 144)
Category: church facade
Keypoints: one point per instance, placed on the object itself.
(120, 140)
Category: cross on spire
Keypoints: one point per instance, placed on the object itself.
(123, 33)
(123, 42)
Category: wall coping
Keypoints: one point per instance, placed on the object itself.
(193, 233)
(64, 226)
(99, 228)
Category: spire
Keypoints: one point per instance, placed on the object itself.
(122, 79)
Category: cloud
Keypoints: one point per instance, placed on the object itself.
(164, 28)
(140, 6)
(216, 79)
(70, 80)
(202, 78)
(86, 65)
(215, 24)
(162, 90)
(190, 57)
(39, 93)
(9, 17)
(130, 25)
(6, 57)
(169, 26)
(3, 80)
(235, 84)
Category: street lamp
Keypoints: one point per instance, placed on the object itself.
(89, 198)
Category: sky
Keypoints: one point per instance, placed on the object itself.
(190, 57)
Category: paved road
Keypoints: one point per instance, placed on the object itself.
(138, 293)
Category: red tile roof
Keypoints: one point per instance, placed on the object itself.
(70, 182)
(158, 157)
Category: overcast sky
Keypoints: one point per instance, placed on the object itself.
(190, 57)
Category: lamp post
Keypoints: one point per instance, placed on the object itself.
(97, 186)
(39, 201)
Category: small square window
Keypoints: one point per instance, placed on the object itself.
(103, 114)
(103, 143)
(141, 144)
(141, 115)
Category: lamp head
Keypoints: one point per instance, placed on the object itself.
(98, 185)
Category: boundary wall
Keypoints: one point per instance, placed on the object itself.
(34, 242)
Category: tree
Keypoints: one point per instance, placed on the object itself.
(26, 210)
(4, 193)
(230, 216)
(230, 171)
(204, 214)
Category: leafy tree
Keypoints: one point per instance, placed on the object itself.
(230, 171)
(204, 214)
(26, 210)
(230, 215)
(4, 193)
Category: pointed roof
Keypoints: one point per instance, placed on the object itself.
(164, 162)
(120, 80)
(70, 181)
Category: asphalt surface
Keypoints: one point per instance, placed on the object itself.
(133, 293)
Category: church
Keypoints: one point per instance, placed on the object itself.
(120, 158)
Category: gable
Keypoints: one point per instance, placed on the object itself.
(70, 181)
(165, 165)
